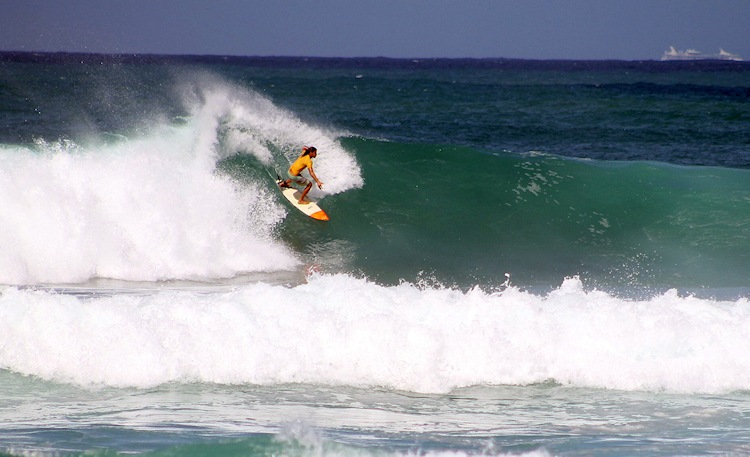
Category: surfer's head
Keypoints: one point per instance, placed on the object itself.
(308, 150)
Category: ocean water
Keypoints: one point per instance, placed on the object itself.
(523, 258)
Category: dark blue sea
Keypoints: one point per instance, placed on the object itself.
(532, 258)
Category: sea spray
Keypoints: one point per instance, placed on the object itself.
(235, 120)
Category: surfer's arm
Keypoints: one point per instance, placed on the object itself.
(312, 173)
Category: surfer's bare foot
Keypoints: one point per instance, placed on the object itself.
(303, 202)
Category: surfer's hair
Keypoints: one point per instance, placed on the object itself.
(308, 149)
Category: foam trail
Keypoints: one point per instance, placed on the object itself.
(340, 330)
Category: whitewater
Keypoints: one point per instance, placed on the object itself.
(343, 331)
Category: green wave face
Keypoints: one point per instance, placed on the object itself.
(462, 216)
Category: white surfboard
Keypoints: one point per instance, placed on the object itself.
(311, 209)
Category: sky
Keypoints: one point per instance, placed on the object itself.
(528, 29)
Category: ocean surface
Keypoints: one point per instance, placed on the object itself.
(528, 258)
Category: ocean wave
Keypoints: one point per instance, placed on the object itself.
(464, 214)
(341, 330)
(154, 206)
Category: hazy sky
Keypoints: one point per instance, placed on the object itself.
(534, 29)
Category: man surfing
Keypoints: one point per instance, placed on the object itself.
(304, 161)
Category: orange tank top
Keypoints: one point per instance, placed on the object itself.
(300, 164)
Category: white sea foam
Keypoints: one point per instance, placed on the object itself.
(153, 207)
(341, 330)
(142, 210)
(249, 122)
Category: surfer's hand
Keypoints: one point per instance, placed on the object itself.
(320, 185)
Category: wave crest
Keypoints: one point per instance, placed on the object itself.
(339, 330)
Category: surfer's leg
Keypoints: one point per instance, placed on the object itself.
(304, 193)
(298, 180)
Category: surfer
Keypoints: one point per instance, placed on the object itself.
(295, 172)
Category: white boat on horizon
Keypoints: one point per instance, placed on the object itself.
(692, 54)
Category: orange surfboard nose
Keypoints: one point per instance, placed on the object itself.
(320, 215)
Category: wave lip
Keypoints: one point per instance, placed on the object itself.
(339, 330)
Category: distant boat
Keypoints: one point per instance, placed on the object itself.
(692, 54)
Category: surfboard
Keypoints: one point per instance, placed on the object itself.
(310, 209)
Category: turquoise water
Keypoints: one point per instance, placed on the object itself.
(537, 258)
